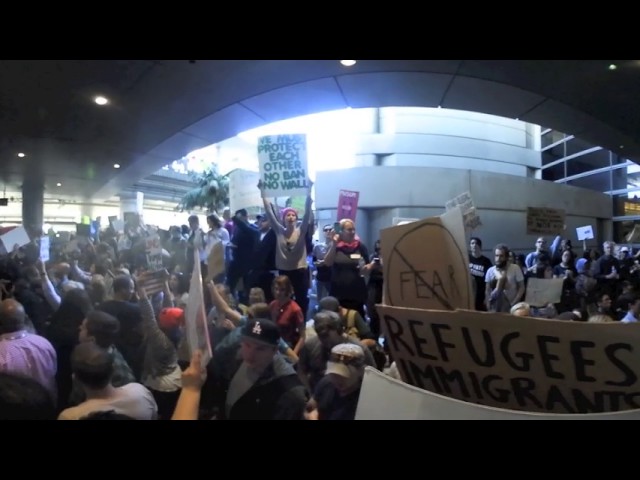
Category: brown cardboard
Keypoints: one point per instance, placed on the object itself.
(426, 264)
(518, 363)
(545, 221)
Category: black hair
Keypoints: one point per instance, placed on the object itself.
(23, 398)
(92, 365)
(478, 241)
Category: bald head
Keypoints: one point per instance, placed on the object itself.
(12, 316)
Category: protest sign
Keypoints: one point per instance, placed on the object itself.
(543, 291)
(347, 205)
(385, 398)
(283, 165)
(545, 221)
(518, 363)
(195, 318)
(403, 221)
(15, 236)
(243, 190)
(470, 218)
(45, 245)
(585, 233)
(427, 264)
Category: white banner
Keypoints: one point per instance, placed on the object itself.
(385, 398)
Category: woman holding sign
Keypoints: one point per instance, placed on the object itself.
(291, 250)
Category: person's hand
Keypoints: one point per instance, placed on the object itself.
(40, 267)
(310, 183)
(195, 375)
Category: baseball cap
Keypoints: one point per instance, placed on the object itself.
(344, 357)
(625, 249)
(262, 331)
(170, 318)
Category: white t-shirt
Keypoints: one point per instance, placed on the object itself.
(133, 400)
(514, 276)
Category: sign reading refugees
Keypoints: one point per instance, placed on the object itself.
(518, 363)
(347, 205)
(283, 165)
(545, 221)
(470, 218)
(426, 264)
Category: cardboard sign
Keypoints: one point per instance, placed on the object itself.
(470, 218)
(518, 363)
(427, 264)
(197, 333)
(585, 233)
(403, 221)
(543, 291)
(283, 165)
(385, 398)
(243, 191)
(215, 261)
(545, 221)
(347, 205)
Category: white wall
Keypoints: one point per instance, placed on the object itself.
(501, 200)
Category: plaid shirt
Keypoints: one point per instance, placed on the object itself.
(30, 355)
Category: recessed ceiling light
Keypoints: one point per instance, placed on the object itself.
(348, 63)
(100, 100)
(21, 155)
(613, 66)
(116, 165)
(58, 184)
(621, 146)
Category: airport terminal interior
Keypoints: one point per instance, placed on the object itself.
(235, 239)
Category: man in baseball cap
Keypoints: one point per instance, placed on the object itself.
(263, 386)
(336, 395)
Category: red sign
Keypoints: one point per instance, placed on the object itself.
(347, 205)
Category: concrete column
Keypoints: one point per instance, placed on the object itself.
(131, 203)
(33, 206)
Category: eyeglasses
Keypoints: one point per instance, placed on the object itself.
(326, 229)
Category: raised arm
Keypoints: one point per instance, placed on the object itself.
(188, 405)
(222, 306)
(50, 295)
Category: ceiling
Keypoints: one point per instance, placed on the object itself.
(160, 110)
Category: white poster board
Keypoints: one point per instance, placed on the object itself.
(385, 398)
(585, 233)
(283, 165)
(543, 291)
(470, 218)
(45, 245)
(17, 236)
(243, 190)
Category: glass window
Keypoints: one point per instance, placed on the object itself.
(553, 173)
(588, 162)
(600, 182)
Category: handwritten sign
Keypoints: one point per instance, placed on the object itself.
(545, 221)
(385, 398)
(426, 264)
(347, 205)
(283, 165)
(519, 363)
(543, 291)
(470, 218)
(585, 233)
(242, 190)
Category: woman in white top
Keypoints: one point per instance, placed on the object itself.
(217, 233)
(291, 248)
